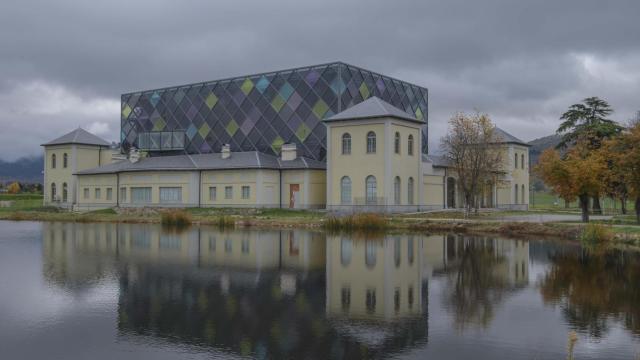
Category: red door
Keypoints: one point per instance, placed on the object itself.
(293, 194)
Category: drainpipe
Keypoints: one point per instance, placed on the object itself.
(199, 189)
(117, 189)
(280, 177)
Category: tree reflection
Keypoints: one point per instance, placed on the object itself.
(479, 276)
(595, 288)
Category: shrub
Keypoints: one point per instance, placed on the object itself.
(593, 234)
(178, 218)
(365, 222)
(225, 221)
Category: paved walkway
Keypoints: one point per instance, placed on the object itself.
(548, 218)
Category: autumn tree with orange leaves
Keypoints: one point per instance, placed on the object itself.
(576, 175)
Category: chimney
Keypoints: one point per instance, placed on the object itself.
(226, 151)
(134, 155)
(289, 152)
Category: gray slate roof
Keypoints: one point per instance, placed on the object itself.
(373, 107)
(436, 160)
(237, 160)
(508, 138)
(78, 136)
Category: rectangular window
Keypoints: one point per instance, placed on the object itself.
(170, 195)
(109, 193)
(213, 193)
(85, 193)
(246, 192)
(97, 193)
(123, 194)
(141, 195)
(228, 192)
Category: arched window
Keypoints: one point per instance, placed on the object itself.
(64, 192)
(516, 193)
(53, 191)
(372, 189)
(64, 160)
(410, 191)
(53, 161)
(346, 144)
(396, 190)
(396, 143)
(397, 242)
(410, 145)
(371, 142)
(370, 253)
(522, 194)
(516, 161)
(410, 250)
(346, 247)
(345, 190)
(522, 161)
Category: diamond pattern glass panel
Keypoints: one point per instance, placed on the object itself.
(269, 109)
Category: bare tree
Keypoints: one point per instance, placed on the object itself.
(472, 148)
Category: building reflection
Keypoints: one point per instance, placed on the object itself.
(289, 293)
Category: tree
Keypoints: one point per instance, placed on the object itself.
(588, 120)
(624, 152)
(577, 175)
(470, 146)
(13, 188)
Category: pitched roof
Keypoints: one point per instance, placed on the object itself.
(436, 160)
(373, 107)
(508, 138)
(78, 136)
(237, 160)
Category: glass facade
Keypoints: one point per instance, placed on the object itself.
(259, 112)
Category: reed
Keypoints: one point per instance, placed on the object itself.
(365, 222)
(177, 218)
(595, 234)
(225, 222)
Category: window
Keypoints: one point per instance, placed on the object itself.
(410, 297)
(345, 190)
(371, 187)
(396, 143)
(346, 144)
(64, 192)
(97, 193)
(53, 161)
(410, 250)
(244, 246)
(397, 244)
(516, 161)
(371, 142)
(85, 192)
(166, 140)
(410, 145)
(169, 241)
(410, 191)
(346, 246)
(246, 192)
(522, 161)
(522, 194)
(212, 243)
(170, 195)
(213, 193)
(370, 253)
(396, 190)
(140, 195)
(228, 192)
(53, 191)
(109, 194)
(345, 298)
(123, 194)
(64, 160)
(228, 245)
(371, 300)
(516, 193)
(396, 300)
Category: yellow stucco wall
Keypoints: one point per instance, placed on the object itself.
(93, 182)
(236, 179)
(187, 180)
(433, 190)
(58, 175)
(404, 165)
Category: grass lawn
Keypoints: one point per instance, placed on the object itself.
(547, 201)
(22, 202)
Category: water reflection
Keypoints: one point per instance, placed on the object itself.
(305, 294)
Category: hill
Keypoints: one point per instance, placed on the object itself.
(541, 144)
(27, 169)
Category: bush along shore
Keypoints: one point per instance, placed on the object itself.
(362, 223)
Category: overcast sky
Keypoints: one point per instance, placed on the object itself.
(64, 64)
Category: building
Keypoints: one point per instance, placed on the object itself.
(369, 156)
(259, 112)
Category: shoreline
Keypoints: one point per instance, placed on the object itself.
(295, 219)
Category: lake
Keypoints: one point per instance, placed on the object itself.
(138, 291)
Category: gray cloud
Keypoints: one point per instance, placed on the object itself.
(65, 63)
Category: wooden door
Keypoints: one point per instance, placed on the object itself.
(293, 194)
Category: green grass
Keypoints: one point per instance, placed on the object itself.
(548, 201)
(22, 202)
(21, 196)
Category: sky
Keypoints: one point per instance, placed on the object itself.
(64, 64)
